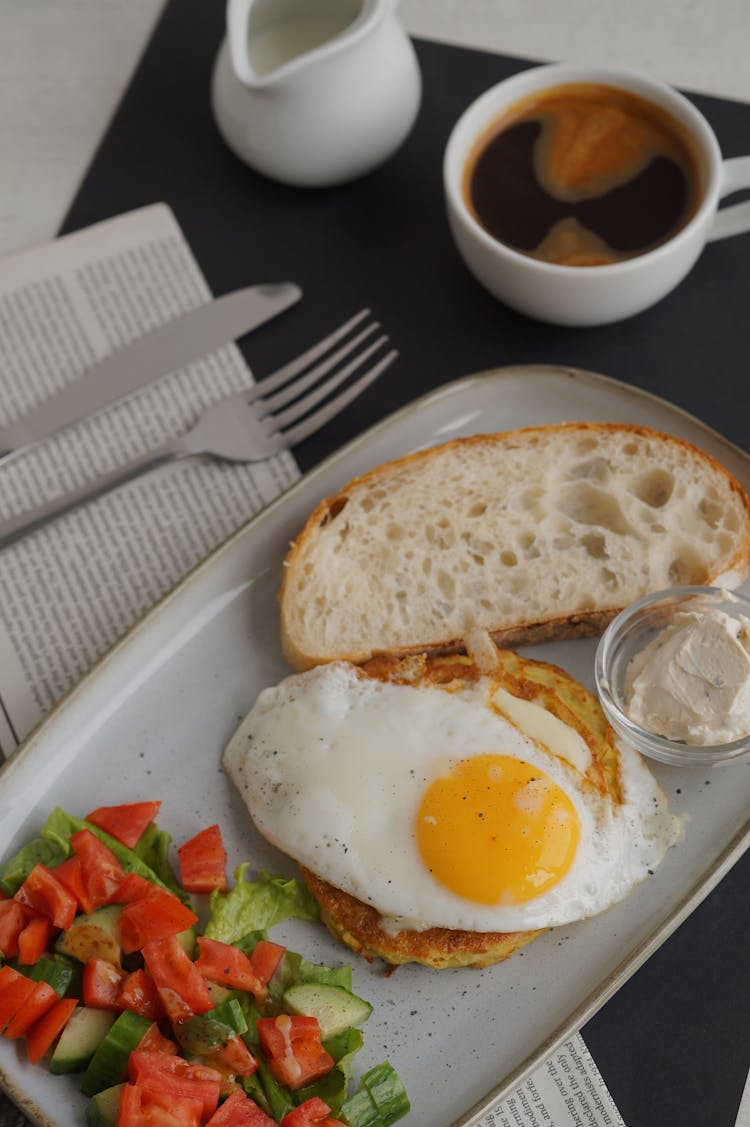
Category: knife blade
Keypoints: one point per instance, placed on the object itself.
(183, 340)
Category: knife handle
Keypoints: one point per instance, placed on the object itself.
(172, 345)
(14, 527)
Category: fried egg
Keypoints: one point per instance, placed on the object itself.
(467, 809)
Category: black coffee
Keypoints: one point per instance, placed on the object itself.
(583, 175)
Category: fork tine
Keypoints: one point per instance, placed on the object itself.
(324, 414)
(303, 406)
(294, 367)
(270, 404)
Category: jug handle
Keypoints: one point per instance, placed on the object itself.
(238, 17)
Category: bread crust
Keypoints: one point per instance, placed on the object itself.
(580, 625)
(527, 630)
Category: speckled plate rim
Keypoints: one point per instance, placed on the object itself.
(23, 757)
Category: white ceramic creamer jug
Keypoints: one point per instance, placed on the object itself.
(315, 92)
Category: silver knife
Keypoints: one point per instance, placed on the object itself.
(181, 341)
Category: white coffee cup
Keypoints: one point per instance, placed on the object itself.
(590, 295)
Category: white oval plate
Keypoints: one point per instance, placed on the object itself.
(151, 720)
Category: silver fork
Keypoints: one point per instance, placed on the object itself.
(250, 425)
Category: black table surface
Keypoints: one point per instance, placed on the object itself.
(672, 1044)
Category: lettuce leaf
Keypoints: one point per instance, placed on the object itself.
(381, 1098)
(153, 850)
(252, 1011)
(278, 1098)
(254, 1088)
(257, 905)
(60, 827)
(344, 1045)
(37, 851)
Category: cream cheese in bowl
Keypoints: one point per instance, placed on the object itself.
(673, 675)
(692, 682)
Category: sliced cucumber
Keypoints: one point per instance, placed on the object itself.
(101, 1111)
(335, 1007)
(187, 941)
(219, 994)
(82, 1035)
(93, 936)
(109, 1063)
(57, 971)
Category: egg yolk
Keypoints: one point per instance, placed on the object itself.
(496, 830)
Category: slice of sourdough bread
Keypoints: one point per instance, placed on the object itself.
(530, 534)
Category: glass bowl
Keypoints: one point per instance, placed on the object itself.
(627, 635)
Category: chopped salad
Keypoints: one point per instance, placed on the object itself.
(104, 975)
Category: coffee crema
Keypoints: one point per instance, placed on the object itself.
(583, 175)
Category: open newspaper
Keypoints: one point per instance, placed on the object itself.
(71, 589)
(567, 1091)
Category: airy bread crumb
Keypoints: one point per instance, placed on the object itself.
(526, 535)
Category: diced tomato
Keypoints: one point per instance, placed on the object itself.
(166, 1077)
(233, 1058)
(175, 1006)
(102, 872)
(7, 976)
(240, 1111)
(70, 876)
(168, 1088)
(129, 1110)
(312, 1113)
(126, 822)
(265, 959)
(102, 982)
(227, 965)
(44, 1032)
(44, 893)
(154, 917)
(138, 1110)
(41, 999)
(134, 887)
(33, 940)
(138, 993)
(203, 862)
(292, 1044)
(154, 1041)
(15, 988)
(142, 1063)
(13, 919)
(181, 985)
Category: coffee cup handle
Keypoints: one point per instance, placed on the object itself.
(735, 219)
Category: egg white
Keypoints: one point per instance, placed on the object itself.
(333, 766)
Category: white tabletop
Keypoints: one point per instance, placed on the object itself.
(65, 63)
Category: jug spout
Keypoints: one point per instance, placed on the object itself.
(267, 37)
(315, 92)
(238, 15)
